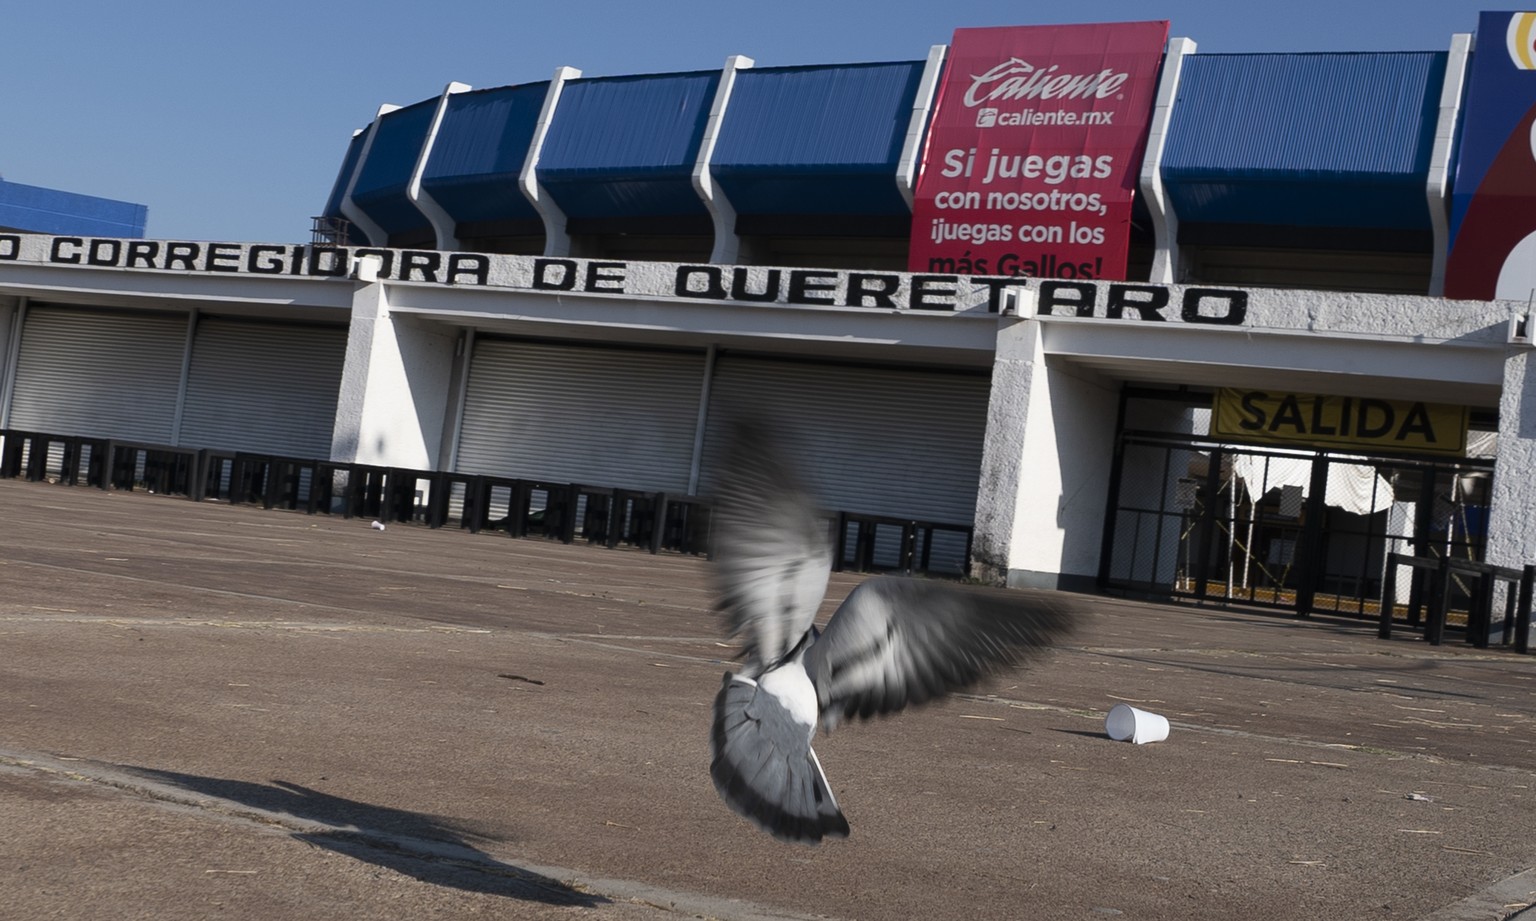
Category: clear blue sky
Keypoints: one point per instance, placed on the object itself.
(230, 120)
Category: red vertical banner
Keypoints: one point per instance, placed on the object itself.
(1034, 151)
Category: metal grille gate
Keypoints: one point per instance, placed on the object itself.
(1304, 530)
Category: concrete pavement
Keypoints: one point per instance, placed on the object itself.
(255, 714)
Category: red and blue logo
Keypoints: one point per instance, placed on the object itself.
(1493, 202)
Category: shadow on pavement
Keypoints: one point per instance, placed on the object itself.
(416, 845)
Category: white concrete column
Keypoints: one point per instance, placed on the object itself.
(395, 382)
(1165, 223)
(1018, 374)
(1438, 188)
(1040, 502)
(917, 124)
(1511, 524)
(349, 209)
(557, 242)
(727, 249)
(443, 225)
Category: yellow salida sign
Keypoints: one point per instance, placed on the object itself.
(1329, 421)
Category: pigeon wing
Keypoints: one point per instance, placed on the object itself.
(900, 642)
(772, 549)
(764, 768)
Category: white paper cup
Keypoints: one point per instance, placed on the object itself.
(1126, 723)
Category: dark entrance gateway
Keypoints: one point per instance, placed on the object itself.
(1194, 515)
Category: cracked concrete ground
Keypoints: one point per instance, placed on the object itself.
(258, 714)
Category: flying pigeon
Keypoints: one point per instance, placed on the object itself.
(893, 642)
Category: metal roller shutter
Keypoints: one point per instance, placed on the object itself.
(874, 441)
(575, 414)
(263, 387)
(99, 374)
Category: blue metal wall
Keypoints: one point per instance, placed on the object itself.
(381, 186)
(344, 178)
(1311, 140)
(35, 209)
(626, 146)
(816, 140)
(479, 152)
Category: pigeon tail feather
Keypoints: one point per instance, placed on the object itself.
(764, 768)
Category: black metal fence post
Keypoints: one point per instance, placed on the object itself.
(1440, 590)
(1523, 612)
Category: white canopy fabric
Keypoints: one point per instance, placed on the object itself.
(1355, 488)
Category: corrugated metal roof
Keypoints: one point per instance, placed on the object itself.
(1304, 139)
(344, 176)
(816, 140)
(381, 185)
(480, 150)
(35, 209)
(625, 146)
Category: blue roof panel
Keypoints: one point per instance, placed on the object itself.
(1304, 139)
(479, 152)
(381, 186)
(344, 177)
(801, 118)
(626, 146)
(816, 140)
(35, 209)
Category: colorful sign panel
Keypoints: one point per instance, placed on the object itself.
(1493, 207)
(1333, 422)
(1034, 150)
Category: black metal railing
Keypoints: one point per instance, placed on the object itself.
(882, 542)
(1430, 592)
(100, 462)
(601, 515)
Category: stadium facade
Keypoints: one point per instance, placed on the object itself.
(1068, 306)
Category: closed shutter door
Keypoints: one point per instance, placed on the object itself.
(98, 374)
(263, 387)
(575, 414)
(872, 441)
